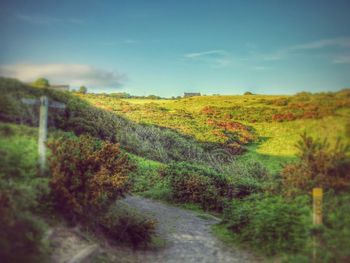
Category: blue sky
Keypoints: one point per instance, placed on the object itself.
(168, 47)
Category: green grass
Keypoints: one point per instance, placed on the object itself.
(273, 142)
(21, 223)
(224, 234)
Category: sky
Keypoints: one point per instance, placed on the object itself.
(167, 47)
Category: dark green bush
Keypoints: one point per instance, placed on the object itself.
(122, 224)
(335, 239)
(21, 229)
(246, 178)
(198, 184)
(21, 232)
(270, 223)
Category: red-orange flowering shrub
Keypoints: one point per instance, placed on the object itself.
(283, 117)
(87, 175)
(209, 111)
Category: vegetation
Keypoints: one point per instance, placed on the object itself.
(123, 224)
(41, 83)
(82, 90)
(233, 155)
(21, 228)
(87, 176)
(80, 117)
(29, 202)
(270, 223)
(266, 127)
(318, 166)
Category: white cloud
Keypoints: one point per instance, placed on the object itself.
(205, 54)
(46, 20)
(72, 74)
(341, 42)
(125, 41)
(216, 58)
(129, 41)
(260, 68)
(342, 59)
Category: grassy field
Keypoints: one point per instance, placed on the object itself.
(268, 126)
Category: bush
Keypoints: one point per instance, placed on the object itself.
(21, 230)
(145, 175)
(335, 239)
(197, 184)
(319, 165)
(122, 224)
(87, 175)
(270, 223)
(246, 178)
(21, 233)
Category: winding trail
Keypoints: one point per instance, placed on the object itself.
(188, 239)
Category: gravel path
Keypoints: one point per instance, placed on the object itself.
(189, 238)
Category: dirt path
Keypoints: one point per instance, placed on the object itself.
(188, 236)
(188, 239)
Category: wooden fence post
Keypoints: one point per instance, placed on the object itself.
(44, 103)
(317, 194)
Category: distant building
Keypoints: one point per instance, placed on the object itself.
(189, 94)
(60, 87)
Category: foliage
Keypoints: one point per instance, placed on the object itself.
(335, 239)
(269, 223)
(87, 175)
(272, 123)
(246, 178)
(122, 224)
(81, 118)
(319, 165)
(145, 174)
(82, 90)
(21, 230)
(197, 184)
(41, 83)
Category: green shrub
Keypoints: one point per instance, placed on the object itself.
(21, 230)
(87, 175)
(145, 175)
(122, 224)
(147, 180)
(246, 178)
(21, 233)
(335, 238)
(270, 224)
(319, 166)
(198, 184)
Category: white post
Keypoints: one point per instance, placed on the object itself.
(44, 102)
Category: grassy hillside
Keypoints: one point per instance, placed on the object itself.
(269, 125)
(210, 152)
(80, 117)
